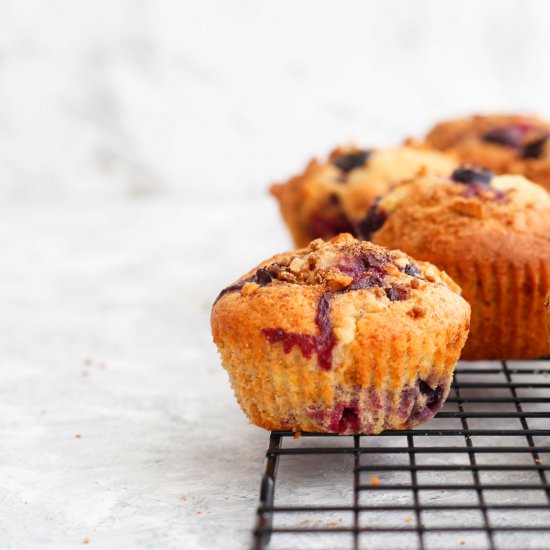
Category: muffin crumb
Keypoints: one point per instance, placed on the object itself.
(417, 312)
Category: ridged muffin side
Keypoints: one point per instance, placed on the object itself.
(341, 337)
(492, 236)
(331, 196)
(547, 317)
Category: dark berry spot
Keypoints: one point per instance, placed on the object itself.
(324, 226)
(509, 136)
(412, 270)
(434, 396)
(306, 342)
(470, 175)
(348, 162)
(373, 221)
(233, 288)
(368, 279)
(309, 344)
(396, 292)
(351, 265)
(326, 340)
(345, 419)
(334, 199)
(368, 269)
(263, 277)
(535, 149)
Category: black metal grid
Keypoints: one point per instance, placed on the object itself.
(476, 476)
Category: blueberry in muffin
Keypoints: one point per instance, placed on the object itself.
(506, 144)
(330, 197)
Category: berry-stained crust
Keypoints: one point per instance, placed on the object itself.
(343, 337)
(366, 270)
(309, 344)
(350, 267)
(412, 405)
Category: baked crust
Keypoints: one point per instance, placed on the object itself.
(331, 196)
(506, 144)
(494, 240)
(547, 317)
(342, 336)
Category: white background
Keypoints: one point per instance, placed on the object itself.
(137, 142)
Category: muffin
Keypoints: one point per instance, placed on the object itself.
(341, 337)
(502, 143)
(491, 234)
(330, 196)
(547, 317)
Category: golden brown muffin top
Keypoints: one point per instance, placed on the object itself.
(471, 213)
(344, 264)
(349, 164)
(520, 136)
(349, 172)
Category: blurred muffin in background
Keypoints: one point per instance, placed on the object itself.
(332, 196)
(513, 144)
(491, 234)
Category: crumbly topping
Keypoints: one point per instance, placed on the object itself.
(499, 196)
(345, 264)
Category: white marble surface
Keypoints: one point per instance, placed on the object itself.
(137, 139)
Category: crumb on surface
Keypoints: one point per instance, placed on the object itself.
(88, 361)
(462, 542)
(408, 519)
(77, 436)
(538, 461)
(183, 498)
(374, 481)
(198, 512)
(297, 434)
(321, 523)
(86, 540)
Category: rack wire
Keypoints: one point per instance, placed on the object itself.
(476, 476)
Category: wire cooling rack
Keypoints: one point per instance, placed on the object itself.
(476, 476)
